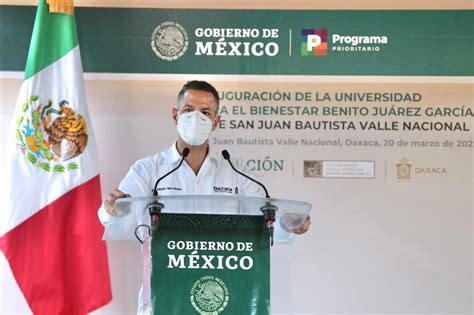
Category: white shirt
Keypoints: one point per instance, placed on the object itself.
(214, 177)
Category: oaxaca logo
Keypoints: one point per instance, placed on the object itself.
(314, 42)
(223, 189)
(209, 295)
(404, 169)
(50, 136)
(169, 41)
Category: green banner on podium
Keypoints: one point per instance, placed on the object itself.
(210, 264)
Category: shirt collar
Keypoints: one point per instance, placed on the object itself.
(172, 155)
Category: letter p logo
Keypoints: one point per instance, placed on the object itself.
(314, 42)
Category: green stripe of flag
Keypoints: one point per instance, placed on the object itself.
(54, 35)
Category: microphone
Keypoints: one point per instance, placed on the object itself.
(269, 210)
(155, 207)
(226, 156)
(184, 155)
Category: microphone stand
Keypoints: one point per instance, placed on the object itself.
(268, 210)
(155, 207)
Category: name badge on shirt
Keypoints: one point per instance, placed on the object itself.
(169, 189)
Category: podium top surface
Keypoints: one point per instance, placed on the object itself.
(134, 211)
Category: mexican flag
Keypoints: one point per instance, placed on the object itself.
(52, 236)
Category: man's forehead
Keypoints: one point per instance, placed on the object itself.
(198, 98)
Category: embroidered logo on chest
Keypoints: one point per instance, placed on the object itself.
(226, 190)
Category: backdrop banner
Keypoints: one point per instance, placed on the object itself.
(309, 42)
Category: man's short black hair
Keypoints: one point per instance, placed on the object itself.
(198, 86)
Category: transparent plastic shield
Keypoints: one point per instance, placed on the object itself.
(134, 211)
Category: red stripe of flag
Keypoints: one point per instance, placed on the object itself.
(58, 257)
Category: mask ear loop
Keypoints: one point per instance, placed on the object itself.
(216, 124)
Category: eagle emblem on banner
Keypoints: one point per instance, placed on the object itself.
(51, 136)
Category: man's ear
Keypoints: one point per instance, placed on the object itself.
(174, 113)
(215, 122)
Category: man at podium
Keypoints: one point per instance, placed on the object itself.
(204, 171)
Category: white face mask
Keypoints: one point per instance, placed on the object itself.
(194, 127)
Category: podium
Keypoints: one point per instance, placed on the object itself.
(210, 254)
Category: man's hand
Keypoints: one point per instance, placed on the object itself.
(304, 227)
(110, 202)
